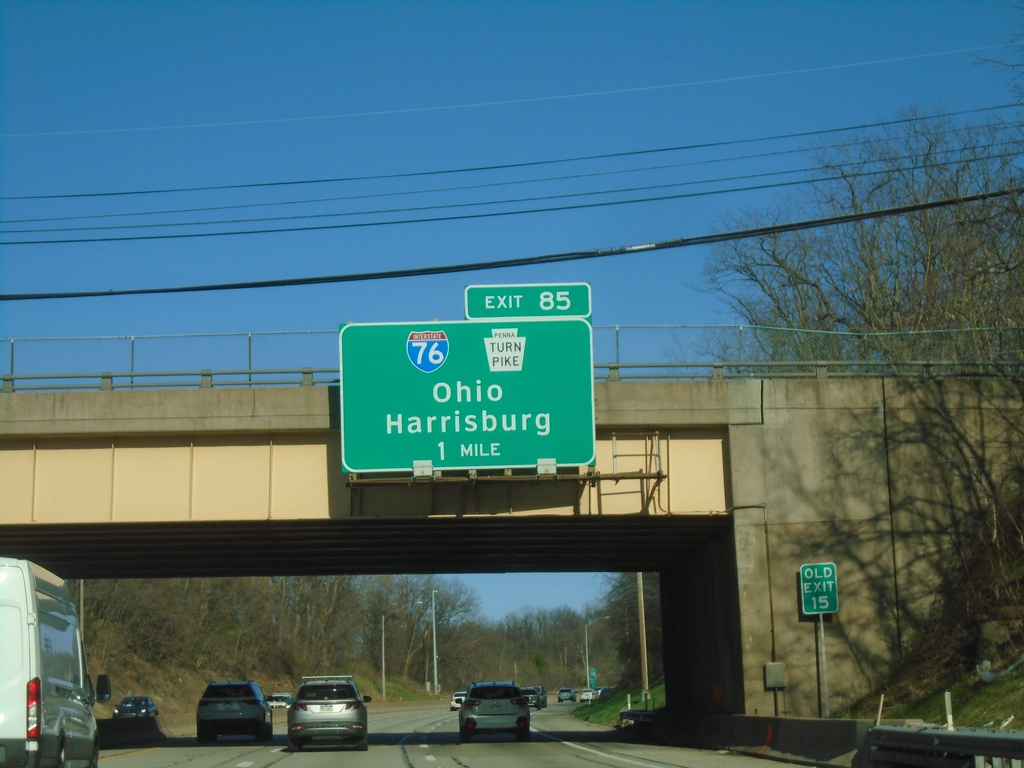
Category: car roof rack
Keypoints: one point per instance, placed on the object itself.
(327, 677)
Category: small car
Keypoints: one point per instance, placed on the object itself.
(496, 707)
(136, 706)
(456, 701)
(280, 700)
(234, 707)
(328, 708)
(566, 694)
(588, 694)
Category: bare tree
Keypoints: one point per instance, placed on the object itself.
(951, 267)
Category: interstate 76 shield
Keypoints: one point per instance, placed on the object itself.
(474, 394)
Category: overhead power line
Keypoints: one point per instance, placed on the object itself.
(601, 173)
(506, 201)
(514, 102)
(535, 260)
(504, 166)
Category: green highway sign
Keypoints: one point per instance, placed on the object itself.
(819, 589)
(528, 300)
(471, 394)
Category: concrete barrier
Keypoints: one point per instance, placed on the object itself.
(128, 731)
(797, 740)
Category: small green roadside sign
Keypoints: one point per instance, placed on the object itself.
(819, 588)
(528, 300)
(473, 394)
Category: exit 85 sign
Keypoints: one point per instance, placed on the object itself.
(528, 300)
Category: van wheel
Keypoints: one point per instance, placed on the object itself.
(94, 761)
(363, 744)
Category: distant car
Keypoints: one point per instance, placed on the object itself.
(535, 695)
(136, 706)
(232, 708)
(456, 701)
(328, 708)
(494, 708)
(566, 694)
(280, 700)
(588, 694)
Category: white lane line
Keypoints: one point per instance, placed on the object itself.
(607, 755)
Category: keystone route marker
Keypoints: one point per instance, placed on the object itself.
(473, 394)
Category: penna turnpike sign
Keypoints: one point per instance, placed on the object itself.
(472, 394)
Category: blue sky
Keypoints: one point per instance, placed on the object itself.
(367, 137)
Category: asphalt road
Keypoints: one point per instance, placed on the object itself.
(426, 738)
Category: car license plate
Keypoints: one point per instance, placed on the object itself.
(326, 707)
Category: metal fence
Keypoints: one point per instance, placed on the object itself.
(277, 358)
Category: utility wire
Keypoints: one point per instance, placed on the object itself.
(683, 242)
(472, 187)
(503, 166)
(514, 102)
(835, 172)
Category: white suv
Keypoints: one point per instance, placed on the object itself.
(494, 708)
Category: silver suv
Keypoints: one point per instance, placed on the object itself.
(328, 708)
(233, 708)
(494, 708)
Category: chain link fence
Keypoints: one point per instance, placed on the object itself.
(620, 351)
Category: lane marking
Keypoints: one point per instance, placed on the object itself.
(609, 755)
(129, 752)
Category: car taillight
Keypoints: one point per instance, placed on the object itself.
(352, 705)
(519, 701)
(471, 702)
(300, 705)
(32, 710)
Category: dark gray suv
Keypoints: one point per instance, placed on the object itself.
(237, 707)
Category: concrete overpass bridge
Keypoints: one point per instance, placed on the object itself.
(723, 486)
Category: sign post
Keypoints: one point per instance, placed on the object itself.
(819, 594)
(460, 395)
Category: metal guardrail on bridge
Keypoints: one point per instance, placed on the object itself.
(279, 377)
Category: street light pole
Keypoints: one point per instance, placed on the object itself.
(586, 649)
(383, 676)
(433, 622)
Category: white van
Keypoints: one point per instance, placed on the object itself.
(46, 696)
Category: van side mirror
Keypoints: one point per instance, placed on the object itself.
(103, 688)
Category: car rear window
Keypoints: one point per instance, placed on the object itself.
(327, 692)
(495, 692)
(228, 692)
